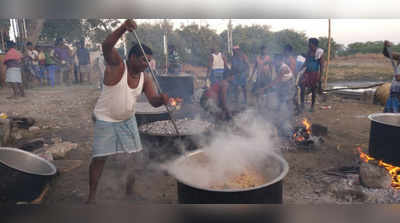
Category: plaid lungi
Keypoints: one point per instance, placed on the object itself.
(116, 137)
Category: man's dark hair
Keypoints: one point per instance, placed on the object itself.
(262, 48)
(288, 48)
(135, 50)
(59, 40)
(313, 41)
(228, 73)
(10, 44)
(29, 44)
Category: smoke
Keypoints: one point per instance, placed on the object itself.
(229, 152)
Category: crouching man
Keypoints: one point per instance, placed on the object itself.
(214, 100)
(115, 128)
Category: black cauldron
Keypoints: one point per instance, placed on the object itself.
(384, 137)
(268, 193)
(23, 175)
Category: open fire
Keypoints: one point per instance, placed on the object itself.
(302, 134)
(175, 103)
(394, 171)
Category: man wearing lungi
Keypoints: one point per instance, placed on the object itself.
(314, 68)
(12, 60)
(116, 129)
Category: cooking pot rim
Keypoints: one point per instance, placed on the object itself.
(285, 170)
(373, 116)
(52, 166)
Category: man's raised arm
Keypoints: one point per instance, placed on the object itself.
(114, 69)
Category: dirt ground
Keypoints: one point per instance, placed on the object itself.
(65, 112)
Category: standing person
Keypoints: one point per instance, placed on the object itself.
(393, 102)
(116, 129)
(314, 68)
(12, 60)
(288, 57)
(65, 63)
(216, 65)
(84, 62)
(283, 82)
(214, 100)
(75, 63)
(33, 61)
(298, 73)
(174, 61)
(51, 67)
(240, 64)
(263, 70)
(99, 67)
(42, 64)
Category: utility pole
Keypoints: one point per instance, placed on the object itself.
(230, 42)
(329, 55)
(165, 27)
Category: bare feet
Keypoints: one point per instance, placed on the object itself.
(12, 97)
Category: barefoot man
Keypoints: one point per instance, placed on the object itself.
(116, 129)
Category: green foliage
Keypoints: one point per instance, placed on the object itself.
(69, 29)
(193, 42)
(367, 47)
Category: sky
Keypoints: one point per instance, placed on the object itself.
(343, 31)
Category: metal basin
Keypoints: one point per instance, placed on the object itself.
(384, 137)
(270, 192)
(23, 175)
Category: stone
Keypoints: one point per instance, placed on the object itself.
(59, 150)
(374, 176)
(44, 153)
(34, 128)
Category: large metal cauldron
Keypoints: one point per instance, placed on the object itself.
(268, 193)
(23, 175)
(180, 85)
(384, 137)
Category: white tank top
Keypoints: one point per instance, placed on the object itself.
(117, 103)
(218, 61)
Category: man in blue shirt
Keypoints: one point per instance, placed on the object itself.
(84, 62)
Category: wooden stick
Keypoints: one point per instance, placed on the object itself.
(329, 55)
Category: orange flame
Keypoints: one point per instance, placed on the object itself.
(307, 124)
(394, 171)
(175, 102)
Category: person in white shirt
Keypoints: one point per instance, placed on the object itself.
(32, 64)
(116, 128)
(216, 66)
